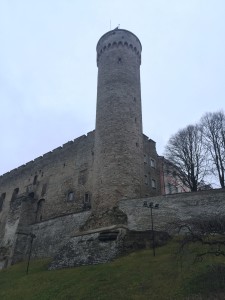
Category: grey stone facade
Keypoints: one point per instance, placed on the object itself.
(173, 208)
(97, 180)
(118, 165)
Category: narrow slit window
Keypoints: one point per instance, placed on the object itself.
(152, 162)
(35, 180)
(71, 196)
(153, 183)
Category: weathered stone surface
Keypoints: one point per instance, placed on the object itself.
(50, 236)
(78, 186)
(175, 207)
(118, 165)
(88, 249)
(104, 245)
(109, 217)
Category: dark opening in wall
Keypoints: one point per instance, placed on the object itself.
(35, 180)
(70, 196)
(15, 193)
(44, 189)
(86, 197)
(31, 195)
(39, 210)
(153, 184)
(152, 163)
(2, 198)
(87, 201)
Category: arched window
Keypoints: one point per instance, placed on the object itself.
(15, 193)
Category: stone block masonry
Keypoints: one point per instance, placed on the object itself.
(118, 165)
(50, 236)
(59, 183)
(102, 246)
(98, 180)
(173, 208)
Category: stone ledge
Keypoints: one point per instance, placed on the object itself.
(101, 229)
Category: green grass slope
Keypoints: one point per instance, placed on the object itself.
(136, 276)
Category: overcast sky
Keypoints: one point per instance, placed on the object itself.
(48, 72)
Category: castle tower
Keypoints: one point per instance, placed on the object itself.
(118, 165)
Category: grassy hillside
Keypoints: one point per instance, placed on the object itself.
(136, 276)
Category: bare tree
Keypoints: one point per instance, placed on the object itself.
(185, 150)
(213, 126)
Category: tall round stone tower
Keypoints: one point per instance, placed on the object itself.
(118, 165)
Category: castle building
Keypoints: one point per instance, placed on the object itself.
(171, 182)
(91, 174)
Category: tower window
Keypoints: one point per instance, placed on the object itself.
(87, 201)
(153, 184)
(119, 60)
(86, 198)
(15, 193)
(71, 196)
(35, 180)
(152, 162)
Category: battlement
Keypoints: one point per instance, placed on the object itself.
(46, 156)
(119, 38)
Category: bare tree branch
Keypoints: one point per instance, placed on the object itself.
(186, 151)
(213, 128)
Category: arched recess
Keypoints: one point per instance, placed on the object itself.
(14, 194)
(39, 210)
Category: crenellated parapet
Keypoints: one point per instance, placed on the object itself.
(45, 158)
(119, 38)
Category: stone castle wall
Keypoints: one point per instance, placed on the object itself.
(173, 208)
(39, 191)
(68, 188)
(50, 236)
(151, 183)
(56, 184)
